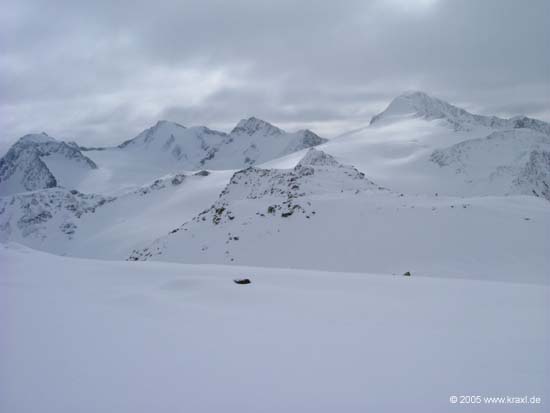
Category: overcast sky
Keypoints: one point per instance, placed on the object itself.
(100, 71)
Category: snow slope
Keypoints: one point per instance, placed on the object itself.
(254, 141)
(418, 104)
(328, 216)
(88, 336)
(329, 323)
(69, 222)
(251, 141)
(169, 147)
(399, 147)
(417, 156)
(38, 161)
(172, 142)
(397, 150)
(320, 214)
(511, 161)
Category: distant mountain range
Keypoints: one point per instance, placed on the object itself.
(422, 144)
(325, 215)
(251, 142)
(262, 196)
(31, 162)
(420, 105)
(39, 161)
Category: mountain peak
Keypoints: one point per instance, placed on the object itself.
(254, 125)
(162, 127)
(315, 157)
(25, 166)
(420, 101)
(418, 104)
(36, 138)
(161, 123)
(415, 94)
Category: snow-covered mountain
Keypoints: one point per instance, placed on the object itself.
(68, 222)
(168, 147)
(413, 147)
(310, 206)
(251, 142)
(324, 231)
(534, 176)
(42, 216)
(38, 161)
(174, 143)
(398, 149)
(420, 105)
(254, 141)
(510, 161)
(322, 214)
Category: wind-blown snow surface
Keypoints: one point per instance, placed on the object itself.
(38, 161)
(320, 214)
(505, 161)
(426, 188)
(400, 150)
(402, 146)
(328, 216)
(88, 336)
(169, 147)
(417, 104)
(68, 222)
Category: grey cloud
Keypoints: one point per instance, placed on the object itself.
(98, 70)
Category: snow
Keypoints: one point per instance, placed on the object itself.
(416, 104)
(24, 167)
(119, 171)
(88, 336)
(495, 162)
(320, 214)
(68, 174)
(169, 142)
(37, 138)
(396, 150)
(60, 221)
(328, 323)
(169, 148)
(330, 217)
(402, 155)
(39, 161)
(254, 141)
(253, 125)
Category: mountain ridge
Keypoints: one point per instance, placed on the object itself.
(24, 166)
(421, 105)
(167, 146)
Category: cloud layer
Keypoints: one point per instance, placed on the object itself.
(100, 71)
